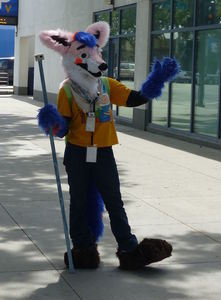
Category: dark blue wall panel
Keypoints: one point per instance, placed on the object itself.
(7, 41)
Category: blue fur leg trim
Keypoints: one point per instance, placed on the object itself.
(95, 209)
(162, 72)
(49, 117)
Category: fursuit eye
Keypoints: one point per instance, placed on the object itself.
(84, 55)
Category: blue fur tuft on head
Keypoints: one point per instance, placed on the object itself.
(86, 38)
(162, 72)
(95, 209)
(49, 117)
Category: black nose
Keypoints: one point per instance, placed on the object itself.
(103, 67)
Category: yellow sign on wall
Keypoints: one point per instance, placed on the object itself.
(8, 12)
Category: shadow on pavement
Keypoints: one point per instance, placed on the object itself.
(32, 240)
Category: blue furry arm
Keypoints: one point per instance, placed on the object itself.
(162, 72)
(49, 117)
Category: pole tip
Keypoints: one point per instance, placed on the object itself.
(39, 57)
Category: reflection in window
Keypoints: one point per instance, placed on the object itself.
(128, 21)
(207, 79)
(161, 15)
(160, 49)
(160, 45)
(204, 91)
(127, 59)
(113, 63)
(127, 67)
(104, 16)
(181, 95)
(104, 54)
(183, 13)
(115, 22)
(160, 108)
(120, 51)
(209, 12)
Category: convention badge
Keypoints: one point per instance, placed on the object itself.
(90, 124)
(91, 155)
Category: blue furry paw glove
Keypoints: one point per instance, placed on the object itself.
(49, 117)
(162, 72)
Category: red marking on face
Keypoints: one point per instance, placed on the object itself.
(78, 61)
(74, 35)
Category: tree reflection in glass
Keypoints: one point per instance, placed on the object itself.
(207, 82)
(183, 13)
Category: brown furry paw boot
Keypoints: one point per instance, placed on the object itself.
(84, 258)
(147, 252)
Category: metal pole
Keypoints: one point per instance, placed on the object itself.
(39, 58)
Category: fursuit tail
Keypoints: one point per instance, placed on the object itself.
(95, 209)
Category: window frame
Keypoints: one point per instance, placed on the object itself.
(195, 29)
(117, 37)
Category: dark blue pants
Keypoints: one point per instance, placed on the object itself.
(105, 176)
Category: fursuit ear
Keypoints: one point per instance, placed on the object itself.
(101, 30)
(57, 40)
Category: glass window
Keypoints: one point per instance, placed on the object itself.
(161, 15)
(104, 54)
(160, 45)
(207, 62)
(113, 63)
(209, 12)
(120, 51)
(160, 49)
(104, 16)
(207, 82)
(115, 22)
(126, 112)
(160, 108)
(183, 13)
(127, 61)
(127, 67)
(128, 21)
(181, 87)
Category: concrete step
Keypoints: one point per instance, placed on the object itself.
(4, 79)
(6, 89)
(3, 75)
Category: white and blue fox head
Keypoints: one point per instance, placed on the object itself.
(80, 52)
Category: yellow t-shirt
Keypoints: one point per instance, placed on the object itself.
(105, 133)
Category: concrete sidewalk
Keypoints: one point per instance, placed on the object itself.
(171, 190)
